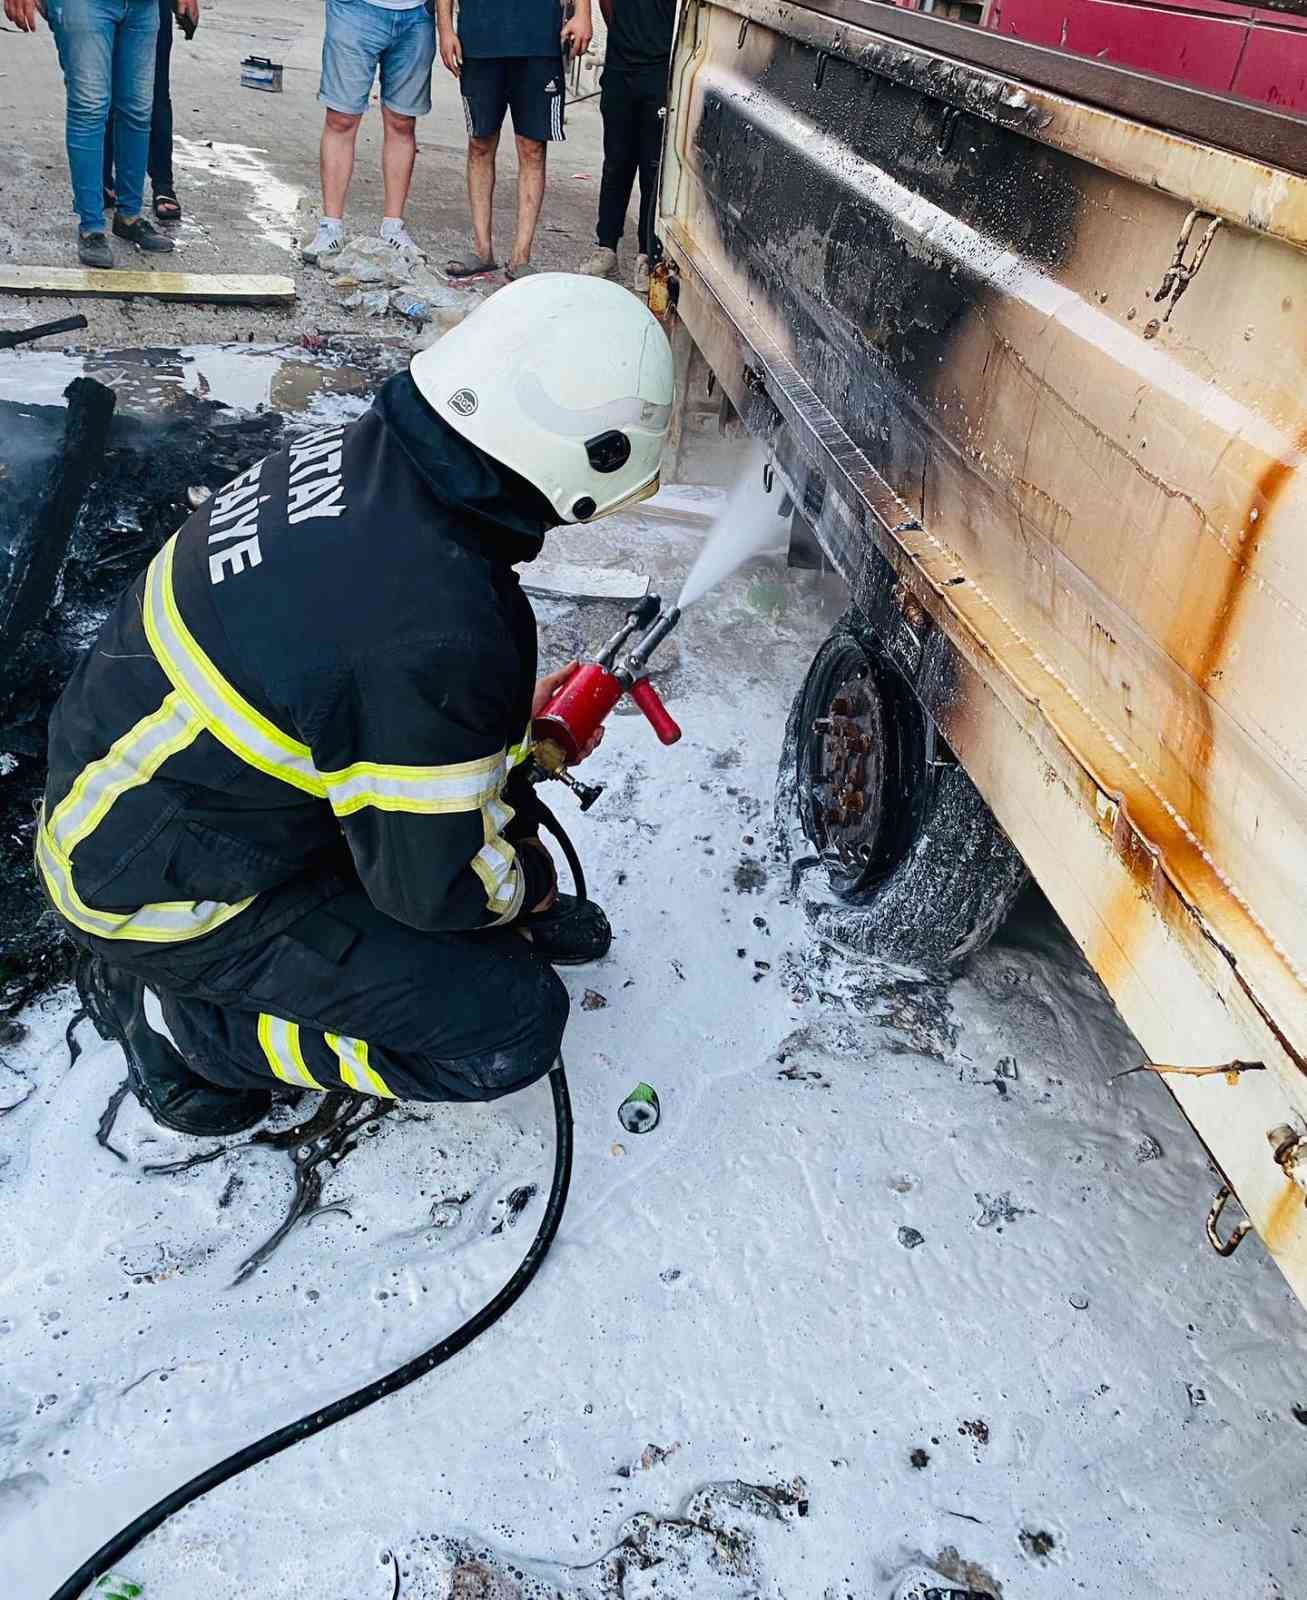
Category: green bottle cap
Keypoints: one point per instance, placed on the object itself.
(640, 1111)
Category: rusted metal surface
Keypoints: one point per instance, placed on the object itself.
(1242, 126)
(1083, 514)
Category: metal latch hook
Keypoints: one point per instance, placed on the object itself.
(1225, 1247)
(1181, 273)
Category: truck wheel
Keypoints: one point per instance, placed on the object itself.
(910, 865)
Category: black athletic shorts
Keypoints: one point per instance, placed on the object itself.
(531, 86)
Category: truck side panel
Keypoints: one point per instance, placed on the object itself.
(1049, 364)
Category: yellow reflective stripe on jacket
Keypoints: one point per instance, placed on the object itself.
(461, 786)
(521, 751)
(247, 733)
(281, 1046)
(227, 715)
(220, 709)
(131, 761)
(496, 864)
(355, 1070)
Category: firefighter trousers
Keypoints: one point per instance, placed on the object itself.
(345, 997)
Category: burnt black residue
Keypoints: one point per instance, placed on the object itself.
(750, 876)
(137, 500)
(1039, 1544)
(873, 313)
(515, 1203)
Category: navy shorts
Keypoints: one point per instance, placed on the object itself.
(532, 87)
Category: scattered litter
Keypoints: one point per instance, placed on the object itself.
(651, 1456)
(617, 1150)
(640, 1111)
(1040, 1544)
(996, 1209)
(592, 1000)
(257, 72)
(378, 278)
(910, 1238)
(1079, 1302)
(376, 302)
(197, 494)
(115, 1587)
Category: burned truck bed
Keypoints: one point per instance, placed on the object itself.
(1032, 368)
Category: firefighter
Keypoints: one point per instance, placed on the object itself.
(287, 819)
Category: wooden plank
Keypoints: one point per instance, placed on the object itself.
(228, 288)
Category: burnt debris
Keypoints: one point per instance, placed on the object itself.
(87, 495)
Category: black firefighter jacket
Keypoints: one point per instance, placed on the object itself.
(334, 645)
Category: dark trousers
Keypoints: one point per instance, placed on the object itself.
(632, 102)
(341, 993)
(159, 165)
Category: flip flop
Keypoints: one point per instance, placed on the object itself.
(468, 266)
(523, 269)
(167, 207)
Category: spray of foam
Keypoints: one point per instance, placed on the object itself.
(749, 524)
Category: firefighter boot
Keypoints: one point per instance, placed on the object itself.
(571, 932)
(174, 1095)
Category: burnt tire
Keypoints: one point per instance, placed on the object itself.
(894, 854)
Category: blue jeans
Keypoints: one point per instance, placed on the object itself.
(106, 50)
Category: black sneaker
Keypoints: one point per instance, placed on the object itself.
(571, 932)
(93, 250)
(174, 1095)
(144, 235)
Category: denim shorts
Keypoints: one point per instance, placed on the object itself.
(361, 38)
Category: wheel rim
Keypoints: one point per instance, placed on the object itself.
(846, 770)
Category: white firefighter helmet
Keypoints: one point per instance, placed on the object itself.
(565, 379)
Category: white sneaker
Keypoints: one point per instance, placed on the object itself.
(400, 240)
(640, 277)
(602, 264)
(327, 243)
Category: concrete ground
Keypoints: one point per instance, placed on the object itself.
(247, 177)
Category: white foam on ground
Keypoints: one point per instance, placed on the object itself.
(1061, 1343)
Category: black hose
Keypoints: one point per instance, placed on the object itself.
(108, 1555)
(554, 826)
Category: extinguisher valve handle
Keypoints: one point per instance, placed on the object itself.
(660, 719)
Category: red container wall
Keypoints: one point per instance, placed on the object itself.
(1211, 44)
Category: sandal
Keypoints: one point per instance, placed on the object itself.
(523, 269)
(167, 207)
(468, 266)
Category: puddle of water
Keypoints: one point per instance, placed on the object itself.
(245, 377)
(275, 201)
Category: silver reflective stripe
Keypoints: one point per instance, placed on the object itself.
(130, 762)
(158, 924)
(461, 786)
(356, 1071)
(496, 864)
(227, 715)
(283, 1052)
